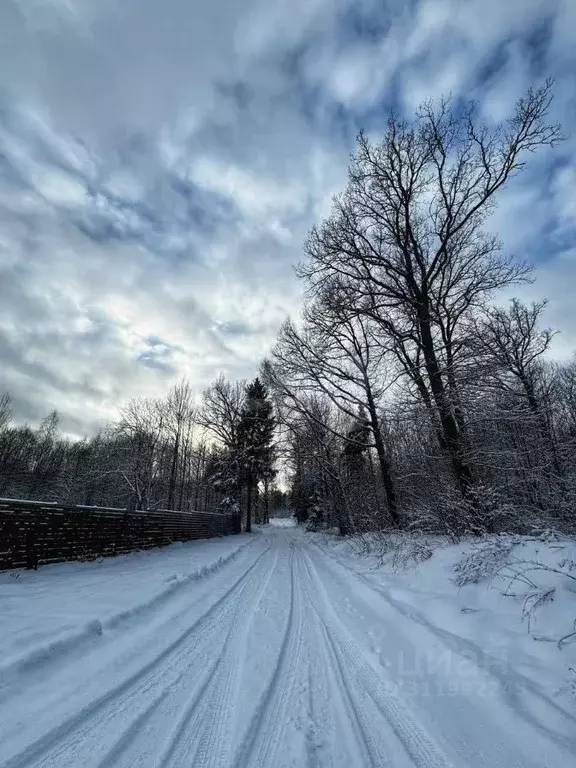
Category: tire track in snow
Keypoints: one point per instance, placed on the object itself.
(320, 731)
(179, 744)
(81, 640)
(123, 742)
(468, 651)
(336, 720)
(191, 675)
(421, 747)
(144, 679)
(262, 741)
(206, 734)
(367, 734)
(184, 716)
(174, 588)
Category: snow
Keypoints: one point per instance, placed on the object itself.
(283, 522)
(476, 600)
(50, 611)
(279, 649)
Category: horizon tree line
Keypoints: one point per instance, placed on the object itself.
(158, 454)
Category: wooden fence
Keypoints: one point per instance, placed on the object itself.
(35, 533)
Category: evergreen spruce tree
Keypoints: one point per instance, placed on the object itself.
(255, 449)
(223, 474)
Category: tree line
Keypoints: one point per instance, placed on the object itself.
(180, 452)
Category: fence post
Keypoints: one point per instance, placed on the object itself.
(31, 546)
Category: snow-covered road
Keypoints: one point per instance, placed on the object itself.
(266, 651)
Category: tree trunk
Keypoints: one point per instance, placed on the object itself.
(184, 475)
(249, 506)
(257, 506)
(453, 442)
(173, 470)
(266, 503)
(542, 424)
(383, 460)
(198, 476)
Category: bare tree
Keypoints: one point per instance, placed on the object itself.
(566, 397)
(179, 412)
(406, 241)
(221, 406)
(511, 343)
(314, 457)
(512, 340)
(337, 353)
(5, 410)
(142, 421)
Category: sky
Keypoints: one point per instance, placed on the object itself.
(162, 162)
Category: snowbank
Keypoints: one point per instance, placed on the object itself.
(50, 612)
(507, 600)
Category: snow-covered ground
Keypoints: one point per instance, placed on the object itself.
(504, 599)
(277, 649)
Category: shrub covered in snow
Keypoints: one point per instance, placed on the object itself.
(484, 511)
(400, 549)
(535, 571)
(483, 559)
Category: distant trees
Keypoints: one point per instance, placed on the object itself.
(154, 456)
(254, 443)
(179, 415)
(339, 353)
(513, 343)
(31, 461)
(178, 452)
(139, 432)
(220, 413)
(5, 409)
(240, 416)
(313, 435)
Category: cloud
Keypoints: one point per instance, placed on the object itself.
(161, 163)
(158, 355)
